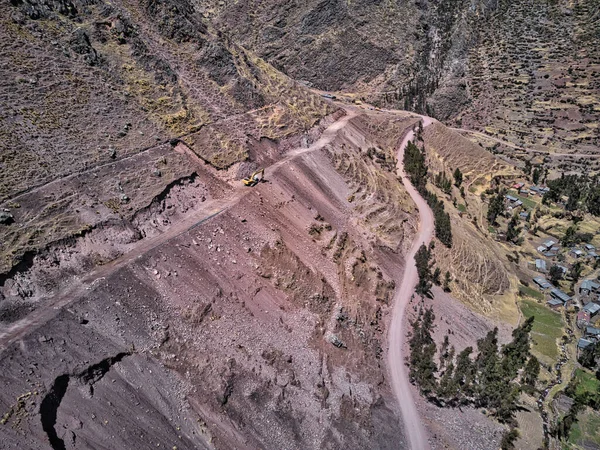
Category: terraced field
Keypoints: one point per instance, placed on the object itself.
(535, 81)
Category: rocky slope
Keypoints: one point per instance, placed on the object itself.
(523, 71)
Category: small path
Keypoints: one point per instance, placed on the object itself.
(416, 434)
(516, 147)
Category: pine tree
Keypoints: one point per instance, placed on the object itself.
(495, 208)
(515, 353)
(447, 281)
(464, 374)
(448, 388)
(531, 372)
(423, 349)
(423, 270)
(458, 177)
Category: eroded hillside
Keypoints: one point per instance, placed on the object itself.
(524, 72)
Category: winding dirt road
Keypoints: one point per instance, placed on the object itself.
(417, 437)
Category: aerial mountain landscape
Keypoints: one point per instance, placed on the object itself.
(300, 225)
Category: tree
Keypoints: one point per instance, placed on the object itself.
(436, 276)
(531, 372)
(527, 169)
(464, 374)
(414, 164)
(515, 353)
(496, 207)
(508, 439)
(555, 274)
(448, 387)
(458, 177)
(575, 272)
(422, 352)
(593, 201)
(447, 281)
(443, 182)
(513, 230)
(590, 355)
(423, 270)
(570, 236)
(535, 177)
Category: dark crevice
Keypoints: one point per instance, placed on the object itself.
(51, 402)
(49, 410)
(95, 373)
(25, 263)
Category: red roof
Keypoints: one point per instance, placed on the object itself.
(583, 316)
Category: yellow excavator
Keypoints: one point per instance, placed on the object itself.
(255, 178)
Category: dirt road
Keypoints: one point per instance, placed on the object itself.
(415, 431)
(210, 209)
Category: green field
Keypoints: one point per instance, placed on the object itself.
(586, 382)
(547, 328)
(527, 291)
(585, 430)
(461, 207)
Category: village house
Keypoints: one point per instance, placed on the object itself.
(542, 283)
(592, 332)
(540, 266)
(555, 304)
(576, 253)
(583, 319)
(582, 344)
(558, 298)
(589, 287)
(592, 308)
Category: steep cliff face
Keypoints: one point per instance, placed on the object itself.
(398, 52)
(495, 64)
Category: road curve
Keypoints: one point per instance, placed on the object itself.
(416, 434)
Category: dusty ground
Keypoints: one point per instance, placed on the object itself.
(234, 317)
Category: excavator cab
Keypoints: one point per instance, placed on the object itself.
(255, 178)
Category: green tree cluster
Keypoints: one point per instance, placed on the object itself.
(443, 182)
(555, 274)
(496, 207)
(513, 229)
(582, 192)
(422, 258)
(493, 378)
(416, 169)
